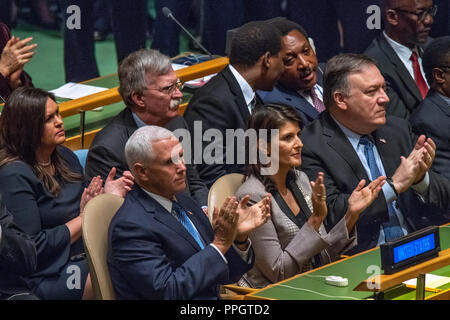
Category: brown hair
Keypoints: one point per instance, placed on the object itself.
(21, 128)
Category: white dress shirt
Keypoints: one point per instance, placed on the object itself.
(246, 89)
(404, 53)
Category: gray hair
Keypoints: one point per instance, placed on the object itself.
(337, 71)
(139, 147)
(134, 68)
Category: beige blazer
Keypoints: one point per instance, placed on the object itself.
(281, 248)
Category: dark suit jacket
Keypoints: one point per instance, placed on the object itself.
(219, 104)
(432, 118)
(108, 150)
(5, 89)
(402, 90)
(283, 95)
(327, 149)
(17, 255)
(152, 256)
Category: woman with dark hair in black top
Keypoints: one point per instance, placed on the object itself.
(44, 189)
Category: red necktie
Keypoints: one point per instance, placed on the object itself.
(420, 81)
(318, 104)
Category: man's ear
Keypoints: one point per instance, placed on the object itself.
(339, 100)
(267, 59)
(438, 76)
(138, 99)
(391, 17)
(140, 172)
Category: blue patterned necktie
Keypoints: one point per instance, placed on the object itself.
(392, 229)
(186, 222)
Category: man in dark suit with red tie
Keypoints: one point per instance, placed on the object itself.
(398, 50)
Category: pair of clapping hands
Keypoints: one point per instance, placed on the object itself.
(14, 56)
(119, 186)
(234, 221)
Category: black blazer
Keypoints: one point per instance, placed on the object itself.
(17, 255)
(152, 256)
(108, 150)
(432, 118)
(219, 104)
(402, 90)
(286, 96)
(327, 149)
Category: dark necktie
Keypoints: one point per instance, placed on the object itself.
(186, 222)
(252, 104)
(420, 81)
(317, 103)
(392, 229)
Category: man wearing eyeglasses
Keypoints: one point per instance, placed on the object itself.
(398, 52)
(152, 94)
(432, 116)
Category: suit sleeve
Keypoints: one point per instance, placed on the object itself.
(19, 194)
(100, 160)
(142, 261)
(17, 250)
(210, 114)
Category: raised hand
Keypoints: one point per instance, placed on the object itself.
(428, 153)
(93, 190)
(319, 202)
(361, 198)
(15, 55)
(411, 169)
(252, 217)
(225, 223)
(120, 186)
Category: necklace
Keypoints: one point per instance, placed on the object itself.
(45, 164)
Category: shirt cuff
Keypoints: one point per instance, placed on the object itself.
(244, 254)
(389, 193)
(223, 257)
(423, 185)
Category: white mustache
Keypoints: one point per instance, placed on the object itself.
(174, 103)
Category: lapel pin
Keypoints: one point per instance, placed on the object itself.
(383, 140)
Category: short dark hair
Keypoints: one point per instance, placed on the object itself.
(285, 26)
(252, 40)
(435, 55)
(338, 69)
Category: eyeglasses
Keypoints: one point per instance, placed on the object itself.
(444, 67)
(422, 14)
(169, 90)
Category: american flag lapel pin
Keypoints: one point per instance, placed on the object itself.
(383, 140)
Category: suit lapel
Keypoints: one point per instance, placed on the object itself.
(385, 146)
(337, 140)
(162, 215)
(297, 101)
(237, 92)
(400, 68)
(440, 103)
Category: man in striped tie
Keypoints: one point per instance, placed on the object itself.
(161, 244)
